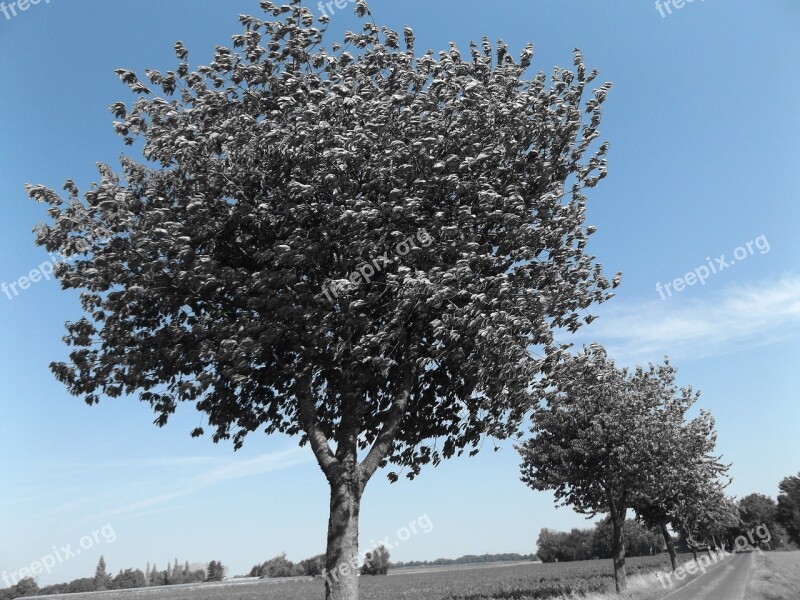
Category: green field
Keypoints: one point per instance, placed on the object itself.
(517, 582)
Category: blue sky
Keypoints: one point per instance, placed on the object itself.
(703, 127)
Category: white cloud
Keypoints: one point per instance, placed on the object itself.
(232, 469)
(737, 318)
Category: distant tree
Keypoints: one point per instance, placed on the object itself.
(312, 566)
(376, 562)
(129, 579)
(757, 509)
(26, 587)
(258, 262)
(788, 513)
(84, 584)
(638, 539)
(549, 545)
(216, 571)
(101, 577)
(591, 444)
(279, 566)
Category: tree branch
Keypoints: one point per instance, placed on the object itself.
(319, 443)
(383, 443)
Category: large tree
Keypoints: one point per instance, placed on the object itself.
(598, 442)
(357, 245)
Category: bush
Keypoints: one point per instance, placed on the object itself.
(376, 562)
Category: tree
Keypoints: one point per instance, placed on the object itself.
(756, 510)
(357, 247)
(279, 566)
(376, 562)
(638, 540)
(129, 579)
(595, 443)
(312, 566)
(216, 572)
(84, 584)
(101, 577)
(788, 514)
(685, 450)
(25, 587)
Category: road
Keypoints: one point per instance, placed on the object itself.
(726, 581)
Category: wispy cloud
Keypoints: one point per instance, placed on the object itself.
(737, 318)
(233, 469)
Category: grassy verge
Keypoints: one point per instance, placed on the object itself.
(643, 586)
(776, 576)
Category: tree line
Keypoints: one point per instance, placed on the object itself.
(596, 542)
(620, 441)
(467, 559)
(173, 574)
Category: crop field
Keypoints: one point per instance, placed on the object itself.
(517, 582)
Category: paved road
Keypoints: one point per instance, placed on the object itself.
(726, 581)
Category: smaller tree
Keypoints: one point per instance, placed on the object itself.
(313, 566)
(596, 443)
(279, 566)
(25, 587)
(101, 577)
(129, 579)
(376, 562)
(216, 571)
(756, 510)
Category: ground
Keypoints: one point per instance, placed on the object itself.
(463, 582)
(776, 577)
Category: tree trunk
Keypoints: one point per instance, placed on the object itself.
(618, 549)
(341, 563)
(673, 559)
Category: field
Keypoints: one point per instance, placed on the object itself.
(500, 582)
(776, 577)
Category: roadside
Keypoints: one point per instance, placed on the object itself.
(650, 587)
(776, 576)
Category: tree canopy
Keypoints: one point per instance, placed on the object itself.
(286, 168)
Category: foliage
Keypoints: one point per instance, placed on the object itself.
(585, 544)
(101, 577)
(285, 168)
(129, 579)
(376, 562)
(788, 513)
(598, 443)
(313, 566)
(279, 566)
(216, 571)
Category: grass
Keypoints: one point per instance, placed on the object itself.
(776, 577)
(518, 582)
